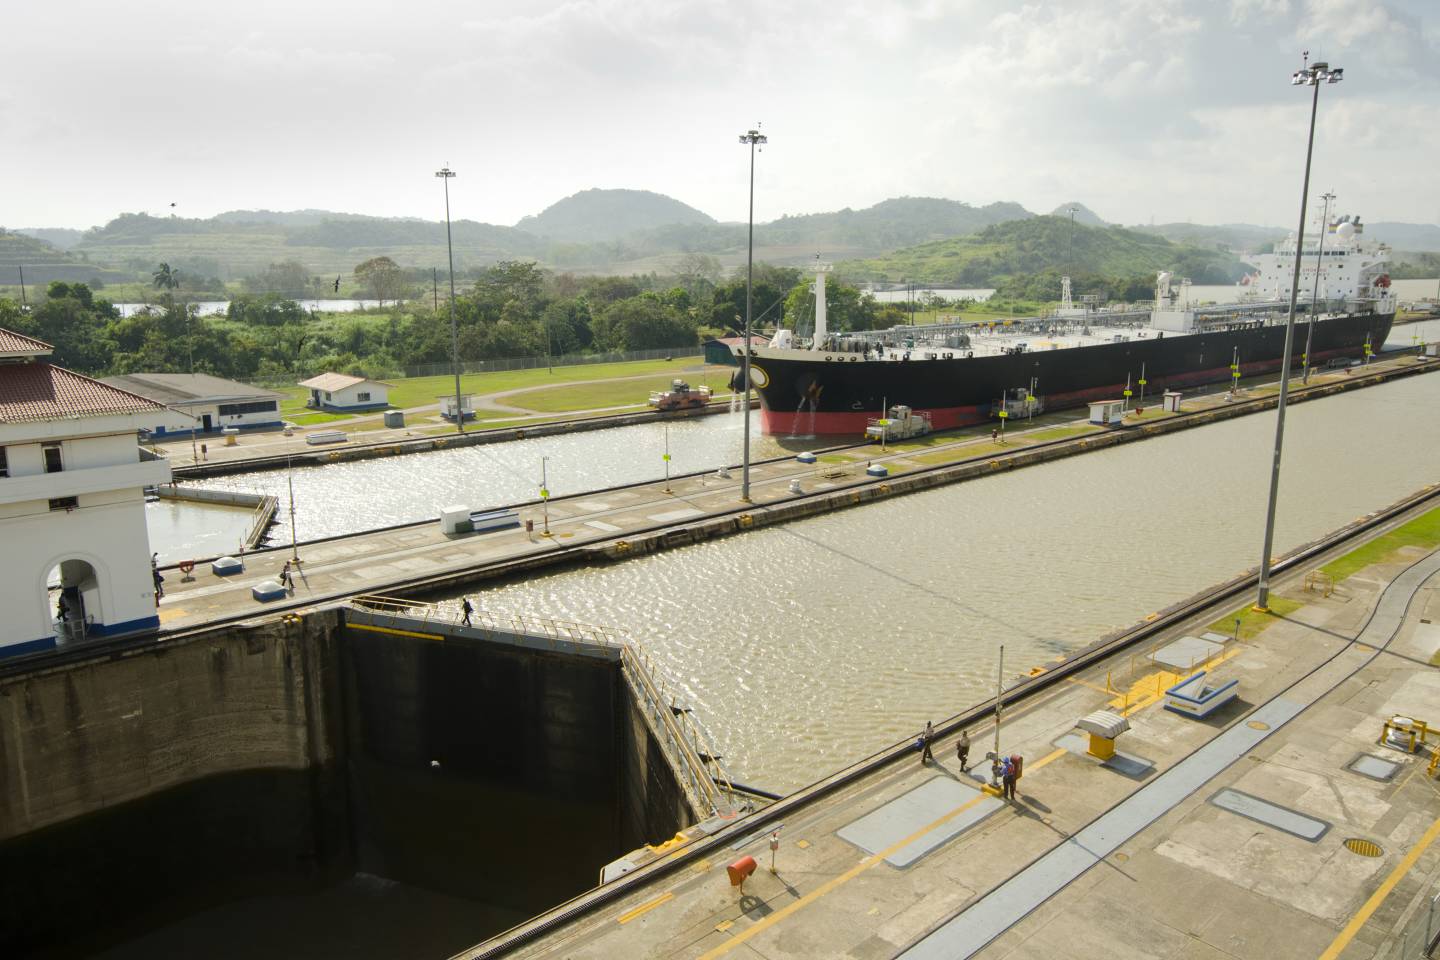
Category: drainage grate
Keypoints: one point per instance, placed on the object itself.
(1365, 848)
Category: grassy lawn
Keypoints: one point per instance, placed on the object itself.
(1252, 622)
(1151, 413)
(591, 396)
(419, 391)
(1061, 433)
(1423, 531)
(984, 449)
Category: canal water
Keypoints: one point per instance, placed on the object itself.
(362, 495)
(182, 529)
(807, 646)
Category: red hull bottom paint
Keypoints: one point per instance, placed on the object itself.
(788, 423)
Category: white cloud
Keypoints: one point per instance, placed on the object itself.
(1180, 108)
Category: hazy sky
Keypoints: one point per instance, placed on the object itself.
(1172, 109)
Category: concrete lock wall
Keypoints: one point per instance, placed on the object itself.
(271, 758)
(161, 779)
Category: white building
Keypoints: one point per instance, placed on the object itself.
(341, 393)
(72, 503)
(467, 407)
(208, 403)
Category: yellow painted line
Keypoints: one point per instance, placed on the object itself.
(1378, 897)
(860, 868)
(645, 908)
(393, 631)
(172, 613)
(769, 921)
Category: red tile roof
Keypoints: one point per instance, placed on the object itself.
(40, 391)
(12, 342)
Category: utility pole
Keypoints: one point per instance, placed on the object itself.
(435, 286)
(1312, 74)
(446, 174)
(754, 138)
(290, 481)
(1315, 292)
(23, 302)
(999, 698)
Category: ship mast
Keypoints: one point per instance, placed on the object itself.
(821, 328)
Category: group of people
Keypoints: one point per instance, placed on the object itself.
(1007, 769)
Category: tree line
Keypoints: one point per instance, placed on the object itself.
(512, 309)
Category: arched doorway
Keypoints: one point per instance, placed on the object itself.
(74, 599)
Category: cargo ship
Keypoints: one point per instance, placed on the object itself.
(963, 372)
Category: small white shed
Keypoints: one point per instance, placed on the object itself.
(467, 407)
(1107, 413)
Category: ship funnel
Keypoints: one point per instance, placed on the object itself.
(820, 324)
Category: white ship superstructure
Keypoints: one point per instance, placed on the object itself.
(1351, 267)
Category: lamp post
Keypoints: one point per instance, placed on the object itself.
(1311, 74)
(1315, 291)
(754, 138)
(445, 174)
(1070, 256)
(545, 494)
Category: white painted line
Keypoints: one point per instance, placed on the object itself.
(602, 525)
(676, 515)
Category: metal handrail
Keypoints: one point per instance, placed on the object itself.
(552, 629)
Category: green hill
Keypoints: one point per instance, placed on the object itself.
(1044, 243)
(1083, 214)
(598, 215)
(40, 263)
(888, 225)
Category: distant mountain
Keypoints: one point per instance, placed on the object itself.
(1044, 243)
(1083, 214)
(60, 238)
(1405, 236)
(40, 262)
(286, 218)
(900, 222)
(1231, 236)
(600, 215)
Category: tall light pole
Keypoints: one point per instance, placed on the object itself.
(1312, 74)
(1315, 292)
(1070, 257)
(754, 138)
(445, 174)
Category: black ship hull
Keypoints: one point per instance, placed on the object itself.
(803, 393)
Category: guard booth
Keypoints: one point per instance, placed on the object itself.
(1107, 413)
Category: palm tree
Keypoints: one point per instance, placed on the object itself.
(167, 279)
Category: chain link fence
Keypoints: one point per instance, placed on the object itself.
(568, 360)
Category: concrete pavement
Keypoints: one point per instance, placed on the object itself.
(1198, 881)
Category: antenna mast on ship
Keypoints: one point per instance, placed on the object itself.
(821, 328)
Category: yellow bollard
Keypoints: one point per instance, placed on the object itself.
(1101, 747)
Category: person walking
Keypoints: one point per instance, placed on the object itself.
(927, 738)
(1017, 768)
(962, 750)
(465, 610)
(287, 577)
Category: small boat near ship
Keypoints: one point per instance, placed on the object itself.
(965, 372)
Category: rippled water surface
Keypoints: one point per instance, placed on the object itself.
(806, 646)
(361, 495)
